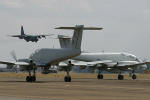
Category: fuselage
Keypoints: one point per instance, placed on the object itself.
(29, 38)
(48, 56)
(123, 58)
(115, 57)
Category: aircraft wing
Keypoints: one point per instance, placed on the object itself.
(7, 63)
(22, 63)
(83, 63)
(125, 66)
(106, 64)
(14, 63)
(15, 35)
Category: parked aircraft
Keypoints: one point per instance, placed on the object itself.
(46, 57)
(111, 62)
(27, 37)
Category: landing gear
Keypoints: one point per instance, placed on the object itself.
(120, 77)
(67, 78)
(31, 78)
(68, 68)
(100, 76)
(133, 76)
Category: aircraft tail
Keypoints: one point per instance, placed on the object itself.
(22, 31)
(65, 42)
(77, 36)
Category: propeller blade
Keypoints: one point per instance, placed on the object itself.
(13, 54)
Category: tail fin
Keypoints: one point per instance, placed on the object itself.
(77, 36)
(22, 31)
(65, 42)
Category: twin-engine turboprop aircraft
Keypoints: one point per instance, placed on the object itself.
(46, 57)
(27, 37)
(111, 62)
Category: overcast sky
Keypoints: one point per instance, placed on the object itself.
(126, 25)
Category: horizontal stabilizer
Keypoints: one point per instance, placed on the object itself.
(84, 28)
(63, 37)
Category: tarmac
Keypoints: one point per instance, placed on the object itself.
(82, 87)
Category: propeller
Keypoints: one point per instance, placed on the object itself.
(13, 54)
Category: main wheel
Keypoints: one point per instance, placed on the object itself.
(120, 77)
(67, 78)
(33, 78)
(99, 76)
(29, 78)
(133, 76)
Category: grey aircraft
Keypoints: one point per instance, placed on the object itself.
(27, 37)
(46, 57)
(111, 62)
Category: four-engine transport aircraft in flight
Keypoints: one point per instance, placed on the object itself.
(27, 37)
(111, 62)
(46, 57)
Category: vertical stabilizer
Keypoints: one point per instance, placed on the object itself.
(65, 42)
(77, 36)
(22, 31)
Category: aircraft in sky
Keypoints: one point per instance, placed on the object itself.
(27, 37)
(111, 62)
(46, 57)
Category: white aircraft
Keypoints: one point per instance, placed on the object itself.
(111, 62)
(27, 37)
(46, 57)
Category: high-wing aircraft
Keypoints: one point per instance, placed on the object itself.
(27, 37)
(46, 57)
(111, 62)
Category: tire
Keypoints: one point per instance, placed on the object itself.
(33, 78)
(27, 79)
(67, 79)
(30, 79)
(120, 77)
(99, 76)
(133, 76)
